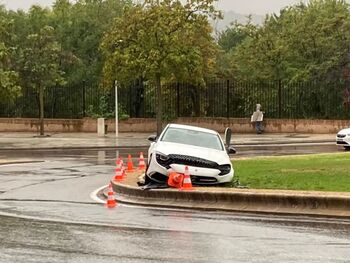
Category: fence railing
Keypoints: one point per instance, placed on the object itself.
(217, 98)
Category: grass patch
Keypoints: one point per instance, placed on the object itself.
(320, 172)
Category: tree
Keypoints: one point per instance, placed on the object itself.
(160, 40)
(41, 54)
(233, 36)
(9, 87)
(79, 28)
(261, 54)
(305, 42)
(228, 41)
(319, 48)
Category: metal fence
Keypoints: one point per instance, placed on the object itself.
(217, 98)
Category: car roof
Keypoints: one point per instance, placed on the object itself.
(193, 128)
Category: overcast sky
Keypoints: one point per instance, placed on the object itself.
(260, 7)
(239, 6)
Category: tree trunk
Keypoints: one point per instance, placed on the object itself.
(41, 110)
(160, 105)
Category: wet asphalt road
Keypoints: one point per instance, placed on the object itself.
(47, 215)
(105, 155)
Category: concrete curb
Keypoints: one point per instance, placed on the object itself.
(241, 200)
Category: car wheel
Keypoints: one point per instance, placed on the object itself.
(347, 148)
(147, 179)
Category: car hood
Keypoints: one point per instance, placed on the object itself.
(344, 131)
(220, 157)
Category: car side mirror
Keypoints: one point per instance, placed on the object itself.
(152, 138)
(231, 150)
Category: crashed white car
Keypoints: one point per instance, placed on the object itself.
(202, 150)
(343, 138)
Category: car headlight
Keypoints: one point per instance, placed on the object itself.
(162, 159)
(224, 169)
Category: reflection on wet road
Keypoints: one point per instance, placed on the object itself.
(92, 233)
(58, 222)
(106, 154)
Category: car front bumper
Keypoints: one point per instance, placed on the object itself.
(199, 175)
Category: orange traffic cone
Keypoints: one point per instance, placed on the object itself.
(121, 164)
(130, 164)
(187, 184)
(142, 164)
(111, 202)
(175, 180)
(122, 167)
(118, 172)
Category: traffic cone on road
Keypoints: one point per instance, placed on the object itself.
(111, 202)
(187, 183)
(122, 167)
(118, 172)
(130, 164)
(142, 164)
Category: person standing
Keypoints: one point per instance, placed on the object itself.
(257, 118)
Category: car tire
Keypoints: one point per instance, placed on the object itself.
(347, 148)
(147, 179)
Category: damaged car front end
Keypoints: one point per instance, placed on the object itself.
(201, 150)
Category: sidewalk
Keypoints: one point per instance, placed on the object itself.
(18, 140)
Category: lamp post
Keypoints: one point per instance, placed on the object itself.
(117, 44)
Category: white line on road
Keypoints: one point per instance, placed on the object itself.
(94, 196)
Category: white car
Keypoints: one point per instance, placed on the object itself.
(202, 150)
(343, 138)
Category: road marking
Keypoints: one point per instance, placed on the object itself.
(15, 163)
(94, 196)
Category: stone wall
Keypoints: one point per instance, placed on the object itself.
(149, 125)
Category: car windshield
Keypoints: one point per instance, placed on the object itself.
(191, 137)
